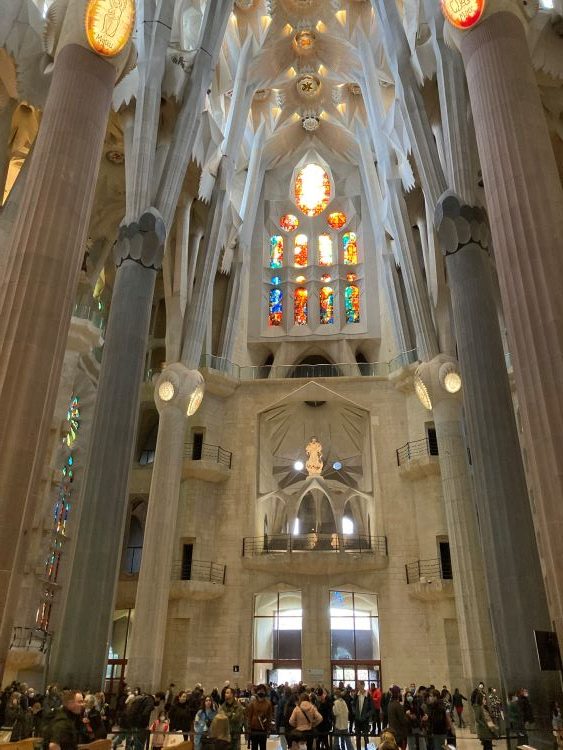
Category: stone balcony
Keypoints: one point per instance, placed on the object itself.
(418, 459)
(208, 462)
(28, 649)
(429, 580)
(317, 554)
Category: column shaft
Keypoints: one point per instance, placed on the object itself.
(514, 580)
(525, 204)
(89, 606)
(43, 259)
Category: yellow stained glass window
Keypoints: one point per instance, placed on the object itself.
(326, 300)
(325, 250)
(350, 244)
(300, 307)
(313, 190)
(276, 251)
(289, 222)
(337, 219)
(300, 251)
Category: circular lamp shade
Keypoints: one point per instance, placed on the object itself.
(450, 378)
(166, 391)
(109, 25)
(422, 392)
(463, 14)
(195, 400)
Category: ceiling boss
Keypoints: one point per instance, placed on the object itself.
(109, 25)
(463, 13)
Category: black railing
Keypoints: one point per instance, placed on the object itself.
(206, 452)
(428, 446)
(30, 639)
(313, 542)
(199, 570)
(132, 560)
(427, 571)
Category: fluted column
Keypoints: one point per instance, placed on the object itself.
(44, 255)
(173, 391)
(525, 204)
(518, 604)
(89, 606)
(6, 114)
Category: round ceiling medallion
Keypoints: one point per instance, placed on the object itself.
(463, 14)
(305, 40)
(109, 25)
(308, 85)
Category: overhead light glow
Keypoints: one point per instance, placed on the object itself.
(166, 391)
(299, 466)
(195, 400)
(422, 392)
(337, 465)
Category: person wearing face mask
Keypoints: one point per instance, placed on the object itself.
(259, 715)
(416, 721)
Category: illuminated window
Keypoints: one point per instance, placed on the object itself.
(352, 303)
(276, 280)
(326, 299)
(300, 306)
(276, 251)
(300, 251)
(73, 419)
(337, 219)
(289, 223)
(300, 279)
(350, 244)
(312, 190)
(325, 250)
(325, 278)
(276, 307)
(351, 277)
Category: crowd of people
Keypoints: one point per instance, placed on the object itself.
(422, 718)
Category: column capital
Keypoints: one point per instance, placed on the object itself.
(437, 381)
(518, 8)
(459, 225)
(142, 241)
(179, 389)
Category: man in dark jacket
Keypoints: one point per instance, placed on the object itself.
(65, 730)
(363, 714)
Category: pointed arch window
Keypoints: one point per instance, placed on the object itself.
(300, 310)
(325, 250)
(350, 245)
(300, 251)
(352, 303)
(276, 251)
(313, 190)
(275, 312)
(326, 302)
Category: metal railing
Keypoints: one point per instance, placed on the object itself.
(132, 560)
(206, 452)
(428, 570)
(86, 312)
(30, 639)
(313, 542)
(199, 570)
(427, 446)
(339, 369)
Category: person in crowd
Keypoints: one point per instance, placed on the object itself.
(18, 717)
(92, 719)
(169, 696)
(363, 714)
(385, 700)
(180, 715)
(341, 727)
(234, 712)
(304, 718)
(219, 732)
(216, 696)
(397, 719)
(65, 729)
(324, 707)
(556, 725)
(457, 702)
(375, 693)
(416, 720)
(486, 728)
(223, 689)
(479, 689)
(203, 720)
(159, 729)
(439, 722)
(515, 721)
(37, 717)
(525, 707)
(259, 717)
(494, 704)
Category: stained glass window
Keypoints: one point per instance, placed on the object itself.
(351, 276)
(289, 223)
(276, 251)
(326, 299)
(337, 219)
(276, 307)
(300, 279)
(300, 251)
(276, 280)
(325, 278)
(313, 190)
(73, 419)
(325, 250)
(300, 307)
(350, 244)
(352, 303)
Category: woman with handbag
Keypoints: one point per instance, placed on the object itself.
(304, 718)
(487, 730)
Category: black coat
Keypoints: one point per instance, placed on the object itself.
(180, 716)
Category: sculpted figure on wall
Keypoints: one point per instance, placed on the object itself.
(314, 452)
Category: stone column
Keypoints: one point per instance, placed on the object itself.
(173, 391)
(514, 579)
(44, 255)
(6, 114)
(525, 205)
(315, 634)
(89, 606)
(475, 633)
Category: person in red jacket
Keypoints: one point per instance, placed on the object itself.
(375, 693)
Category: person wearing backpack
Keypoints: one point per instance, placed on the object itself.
(259, 717)
(137, 717)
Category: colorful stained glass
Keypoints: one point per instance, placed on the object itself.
(325, 278)
(313, 190)
(350, 244)
(300, 251)
(325, 250)
(352, 303)
(73, 419)
(326, 300)
(289, 223)
(300, 306)
(276, 307)
(276, 280)
(351, 276)
(337, 219)
(276, 251)
(300, 279)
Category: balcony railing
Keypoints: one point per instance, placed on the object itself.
(199, 570)
(428, 570)
(428, 446)
(206, 452)
(30, 639)
(132, 561)
(313, 542)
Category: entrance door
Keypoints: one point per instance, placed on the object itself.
(351, 672)
(115, 679)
